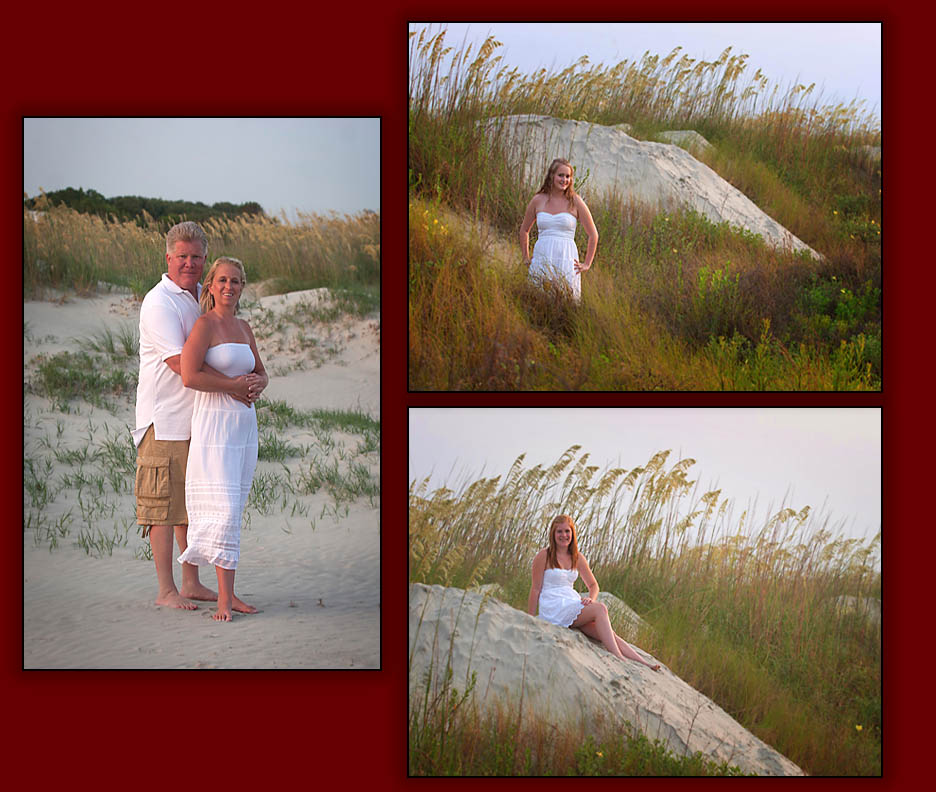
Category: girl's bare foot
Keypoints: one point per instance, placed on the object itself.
(172, 599)
(223, 613)
(199, 591)
(242, 607)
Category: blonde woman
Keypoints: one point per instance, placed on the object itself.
(555, 569)
(223, 450)
(556, 209)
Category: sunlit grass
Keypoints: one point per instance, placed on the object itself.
(67, 250)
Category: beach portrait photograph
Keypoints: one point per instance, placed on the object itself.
(645, 591)
(201, 393)
(644, 206)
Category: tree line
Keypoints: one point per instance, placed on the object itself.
(135, 207)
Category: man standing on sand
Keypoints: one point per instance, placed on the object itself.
(164, 410)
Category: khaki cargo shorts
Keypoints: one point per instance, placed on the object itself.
(160, 481)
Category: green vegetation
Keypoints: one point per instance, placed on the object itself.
(79, 489)
(454, 739)
(674, 301)
(69, 376)
(748, 614)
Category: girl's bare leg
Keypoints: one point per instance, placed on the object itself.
(227, 602)
(592, 631)
(225, 594)
(594, 622)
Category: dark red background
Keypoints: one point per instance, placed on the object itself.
(347, 729)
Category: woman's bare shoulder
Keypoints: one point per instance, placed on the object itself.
(203, 325)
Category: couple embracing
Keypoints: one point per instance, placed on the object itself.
(196, 426)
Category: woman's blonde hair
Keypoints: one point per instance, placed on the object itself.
(551, 551)
(551, 172)
(206, 301)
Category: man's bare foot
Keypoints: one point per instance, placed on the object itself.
(173, 599)
(223, 613)
(242, 607)
(199, 592)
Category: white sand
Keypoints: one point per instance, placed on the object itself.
(313, 572)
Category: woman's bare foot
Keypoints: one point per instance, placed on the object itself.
(242, 607)
(223, 613)
(172, 599)
(199, 591)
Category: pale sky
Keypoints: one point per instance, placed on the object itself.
(316, 165)
(842, 58)
(825, 458)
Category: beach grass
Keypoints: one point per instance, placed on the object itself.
(745, 608)
(675, 302)
(66, 250)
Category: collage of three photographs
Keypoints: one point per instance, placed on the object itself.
(643, 398)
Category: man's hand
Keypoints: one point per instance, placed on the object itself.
(246, 388)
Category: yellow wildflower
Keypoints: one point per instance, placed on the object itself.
(857, 727)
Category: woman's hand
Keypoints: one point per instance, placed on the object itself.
(587, 600)
(579, 267)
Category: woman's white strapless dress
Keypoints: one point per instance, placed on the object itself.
(221, 463)
(559, 603)
(554, 253)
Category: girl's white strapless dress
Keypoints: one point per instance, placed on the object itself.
(559, 603)
(221, 463)
(554, 253)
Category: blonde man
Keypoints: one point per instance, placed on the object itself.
(164, 410)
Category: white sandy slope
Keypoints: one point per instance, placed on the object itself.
(314, 573)
(564, 679)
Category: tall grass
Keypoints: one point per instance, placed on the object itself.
(65, 249)
(692, 297)
(746, 613)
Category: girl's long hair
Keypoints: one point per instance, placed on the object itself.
(551, 551)
(206, 301)
(551, 172)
